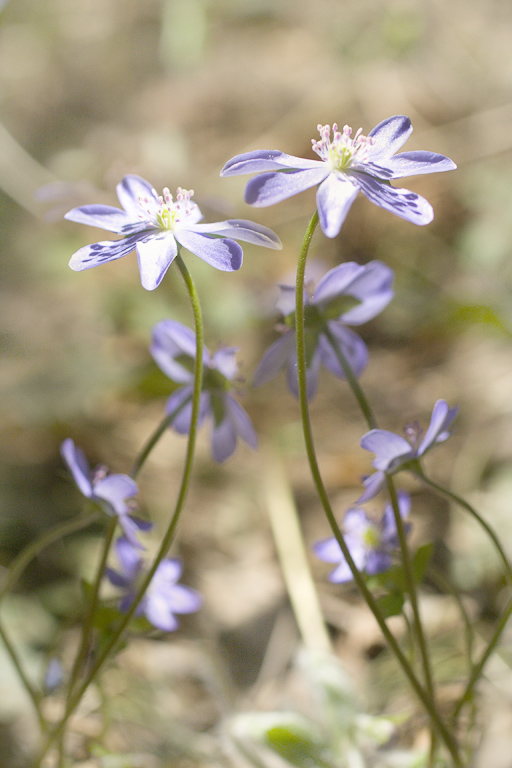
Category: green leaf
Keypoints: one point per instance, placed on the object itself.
(421, 560)
(391, 604)
(294, 744)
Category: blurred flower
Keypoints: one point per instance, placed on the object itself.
(347, 165)
(394, 452)
(350, 294)
(53, 676)
(371, 543)
(157, 227)
(173, 348)
(110, 492)
(164, 596)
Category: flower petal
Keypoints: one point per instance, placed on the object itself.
(373, 484)
(78, 466)
(328, 550)
(334, 198)
(274, 359)
(155, 255)
(241, 229)
(129, 557)
(265, 160)
(102, 216)
(373, 287)
(350, 344)
(387, 446)
(184, 599)
(402, 202)
(221, 253)
(131, 190)
(335, 282)
(225, 362)
(269, 188)
(181, 401)
(416, 163)
(115, 489)
(389, 135)
(311, 374)
(171, 339)
(158, 613)
(99, 253)
(242, 423)
(442, 417)
(223, 439)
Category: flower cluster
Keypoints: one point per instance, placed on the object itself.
(157, 227)
(163, 598)
(347, 165)
(173, 348)
(349, 294)
(372, 543)
(110, 492)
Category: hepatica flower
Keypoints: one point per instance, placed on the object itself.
(110, 492)
(372, 543)
(394, 452)
(173, 348)
(349, 294)
(157, 226)
(163, 598)
(348, 164)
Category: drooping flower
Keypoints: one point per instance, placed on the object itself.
(157, 226)
(163, 598)
(372, 543)
(173, 348)
(347, 165)
(350, 294)
(110, 492)
(394, 452)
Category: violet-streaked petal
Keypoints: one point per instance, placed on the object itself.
(442, 417)
(219, 252)
(129, 557)
(158, 613)
(270, 188)
(333, 198)
(131, 190)
(373, 484)
(225, 362)
(416, 163)
(402, 202)
(243, 424)
(387, 446)
(78, 466)
(388, 136)
(265, 160)
(241, 229)
(155, 255)
(223, 439)
(351, 345)
(107, 250)
(335, 282)
(115, 489)
(274, 359)
(101, 216)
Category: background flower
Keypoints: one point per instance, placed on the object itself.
(157, 226)
(163, 598)
(372, 543)
(350, 294)
(348, 165)
(173, 348)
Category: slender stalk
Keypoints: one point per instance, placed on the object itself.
(32, 692)
(153, 440)
(442, 583)
(324, 499)
(169, 534)
(19, 564)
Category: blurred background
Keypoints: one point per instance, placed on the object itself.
(92, 90)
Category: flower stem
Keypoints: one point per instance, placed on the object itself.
(359, 579)
(153, 440)
(169, 534)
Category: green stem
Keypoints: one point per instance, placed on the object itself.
(169, 534)
(19, 564)
(155, 437)
(324, 499)
(34, 695)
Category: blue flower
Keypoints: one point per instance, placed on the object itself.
(110, 492)
(164, 596)
(350, 294)
(347, 165)
(173, 348)
(372, 543)
(394, 452)
(157, 226)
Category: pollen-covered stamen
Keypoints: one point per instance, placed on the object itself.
(342, 150)
(162, 212)
(371, 537)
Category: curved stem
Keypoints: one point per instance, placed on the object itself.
(324, 499)
(19, 564)
(169, 534)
